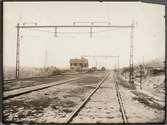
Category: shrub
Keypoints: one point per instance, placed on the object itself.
(56, 72)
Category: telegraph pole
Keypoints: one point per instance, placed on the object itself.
(118, 64)
(143, 67)
(18, 53)
(141, 75)
(45, 60)
(131, 76)
(55, 31)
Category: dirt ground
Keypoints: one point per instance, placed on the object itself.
(146, 105)
(139, 111)
(54, 105)
(50, 105)
(152, 85)
(155, 85)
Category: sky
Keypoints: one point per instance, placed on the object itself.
(149, 32)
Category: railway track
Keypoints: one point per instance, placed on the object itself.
(30, 78)
(24, 90)
(21, 91)
(31, 82)
(111, 86)
(120, 101)
(73, 115)
(122, 109)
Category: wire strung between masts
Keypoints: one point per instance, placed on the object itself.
(91, 27)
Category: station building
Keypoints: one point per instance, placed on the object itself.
(78, 64)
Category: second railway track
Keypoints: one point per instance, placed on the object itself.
(86, 109)
(21, 91)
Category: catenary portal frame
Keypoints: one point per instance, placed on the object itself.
(56, 27)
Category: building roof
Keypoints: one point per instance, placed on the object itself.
(82, 60)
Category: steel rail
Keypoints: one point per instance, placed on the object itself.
(122, 109)
(72, 116)
(29, 78)
(15, 92)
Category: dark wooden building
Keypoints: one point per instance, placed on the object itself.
(79, 64)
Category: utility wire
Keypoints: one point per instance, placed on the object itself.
(100, 31)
